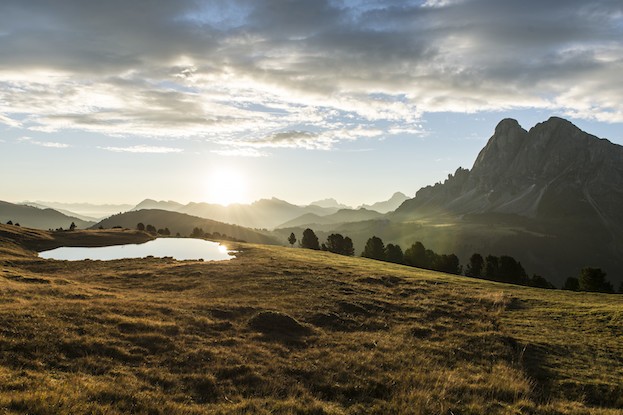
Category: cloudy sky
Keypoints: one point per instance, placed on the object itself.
(116, 101)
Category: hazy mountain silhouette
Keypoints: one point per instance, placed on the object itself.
(82, 210)
(184, 224)
(63, 211)
(388, 205)
(272, 213)
(159, 204)
(341, 216)
(330, 203)
(34, 217)
(262, 214)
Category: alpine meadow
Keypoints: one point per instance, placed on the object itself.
(335, 207)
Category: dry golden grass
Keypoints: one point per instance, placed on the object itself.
(292, 331)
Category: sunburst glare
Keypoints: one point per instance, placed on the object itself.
(226, 186)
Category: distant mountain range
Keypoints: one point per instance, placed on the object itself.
(262, 214)
(34, 217)
(85, 211)
(330, 203)
(341, 216)
(551, 196)
(271, 213)
(158, 204)
(388, 205)
(384, 206)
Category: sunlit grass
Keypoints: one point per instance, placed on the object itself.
(158, 336)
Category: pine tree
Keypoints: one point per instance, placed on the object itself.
(310, 240)
(292, 239)
(374, 249)
(393, 253)
(475, 266)
(594, 279)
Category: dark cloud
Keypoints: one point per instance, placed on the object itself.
(211, 68)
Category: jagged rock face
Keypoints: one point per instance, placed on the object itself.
(555, 170)
(551, 196)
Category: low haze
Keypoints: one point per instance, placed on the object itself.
(232, 101)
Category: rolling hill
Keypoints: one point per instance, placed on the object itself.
(184, 224)
(341, 216)
(34, 217)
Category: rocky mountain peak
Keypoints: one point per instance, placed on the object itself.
(500, 151)
(554, 169)
(507, 124)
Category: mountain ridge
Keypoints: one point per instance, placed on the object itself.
(517, 170)
(183, 224)
(555, 189)
(388, 205)
(35, 217)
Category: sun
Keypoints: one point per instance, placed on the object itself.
(226, 186)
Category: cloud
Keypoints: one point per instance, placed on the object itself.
(261, 73)
(9, 121)
(304, 139)
(322, 140)
(49, 144)
(143, 149)
(240, 152)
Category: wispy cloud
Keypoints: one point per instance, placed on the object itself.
(9, 121)
(236, 71)
(143, 149)
(49, 144)
(240, 152)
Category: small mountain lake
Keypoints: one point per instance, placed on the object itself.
(178, 248)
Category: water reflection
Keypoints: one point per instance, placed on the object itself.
(178, 248)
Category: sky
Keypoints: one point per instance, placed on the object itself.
(235, 100)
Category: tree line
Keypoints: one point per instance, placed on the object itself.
(504, 268)
(199, 233)
(335, 243)
(152, 229)
(195, 233)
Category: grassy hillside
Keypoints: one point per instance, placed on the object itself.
(184, 224)
(35, 217)
(543, 249)
(40, 240)
(291, 331)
